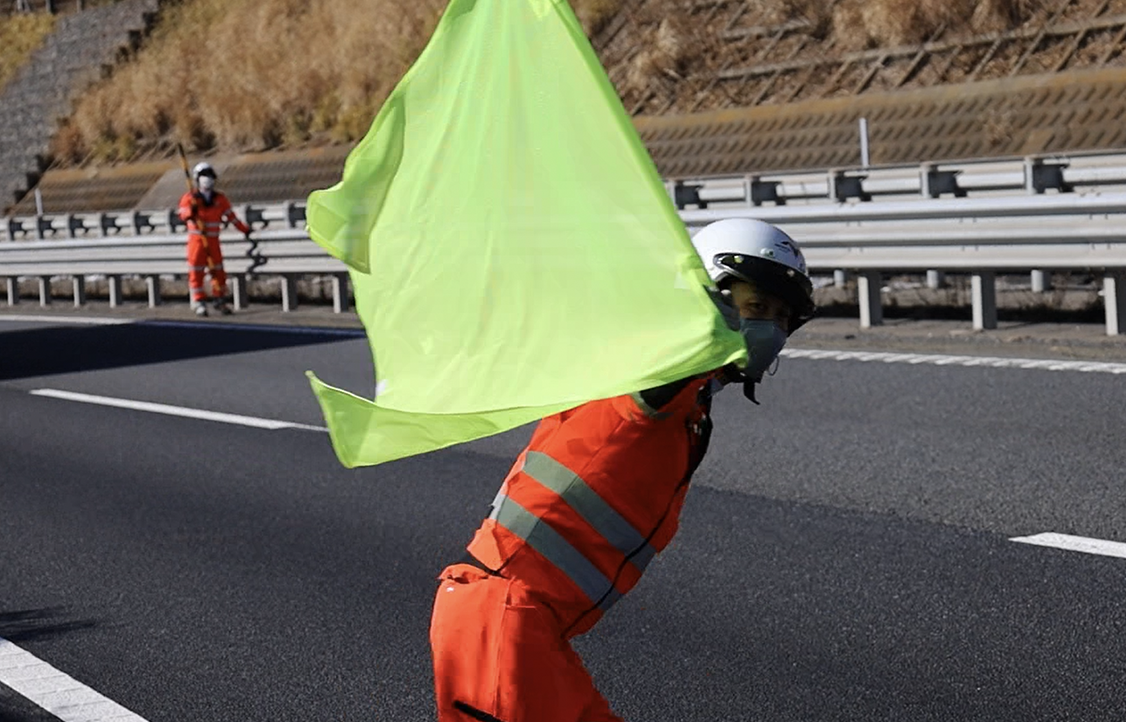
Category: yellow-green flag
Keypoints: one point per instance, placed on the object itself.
(512, 248)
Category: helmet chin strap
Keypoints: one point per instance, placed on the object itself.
(733, 374)
(749, 390)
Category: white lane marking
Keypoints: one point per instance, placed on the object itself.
(238, 419)
(81, 320)
(262, 327)
(58, 693)
(944, 360)
(220, 325)
(1075, 544)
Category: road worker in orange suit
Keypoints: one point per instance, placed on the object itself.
(206, 210)
(593, 498)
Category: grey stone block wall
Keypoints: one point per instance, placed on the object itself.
(44, 90)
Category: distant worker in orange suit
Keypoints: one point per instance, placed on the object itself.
(593, 498)
(206, 210)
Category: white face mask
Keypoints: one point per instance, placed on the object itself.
(206, 183)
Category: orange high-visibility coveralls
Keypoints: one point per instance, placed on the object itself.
(588, 504)
(212, 214)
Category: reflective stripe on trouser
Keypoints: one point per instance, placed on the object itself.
(593, 509)
(497, 650)
(201, 258)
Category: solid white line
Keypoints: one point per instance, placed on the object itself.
(58, 693)
(237, 419)
(969, 361)
(1075, 544)
(80, 320)
(261, 327)
(195, 325)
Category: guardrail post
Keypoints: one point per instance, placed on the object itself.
(289, 292)
(238, 290)
(840, 278)
(79, 285)
(936, 279)
(984, 289)
(13, 290)
(868, 285)
(1039, 282)
(340, 292)
(114, 290)
(1114, 297)
(153, 284)
(44, 290)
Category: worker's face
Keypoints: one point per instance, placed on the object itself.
(756, 305)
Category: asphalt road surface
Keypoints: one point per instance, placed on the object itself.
(845, 553)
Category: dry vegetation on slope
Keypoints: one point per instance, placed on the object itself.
(20, 35)
(252, 74)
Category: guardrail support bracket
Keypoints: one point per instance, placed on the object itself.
(340, 302)
(289, 292)
(868, 285)
(114, 283)
(984, 290)
(44, 290)
(153, 284)
(1114, 296)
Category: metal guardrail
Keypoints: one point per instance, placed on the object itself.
(1025, 215)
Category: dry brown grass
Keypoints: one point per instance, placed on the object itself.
(239, 75)
(20, 35)
(252, 74)
(888, 23)
(596, 14)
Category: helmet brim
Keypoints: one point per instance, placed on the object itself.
(787, 284)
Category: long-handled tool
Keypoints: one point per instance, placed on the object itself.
(200, 228)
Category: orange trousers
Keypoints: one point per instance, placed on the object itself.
(499, 655)
(198, 256)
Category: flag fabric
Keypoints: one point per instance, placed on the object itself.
(512, 249)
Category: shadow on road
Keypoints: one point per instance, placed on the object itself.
(65, 349)
(39, 624)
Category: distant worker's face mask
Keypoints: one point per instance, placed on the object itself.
(764, 340)
(206, 183)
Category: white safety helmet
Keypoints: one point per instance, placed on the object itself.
(204, 176)
(762, 255)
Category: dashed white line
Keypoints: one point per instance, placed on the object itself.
(1075, 544)
(969, 361)
(58, 693)
(168, 410)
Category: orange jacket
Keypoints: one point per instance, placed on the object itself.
(593, 498)
(212, 215)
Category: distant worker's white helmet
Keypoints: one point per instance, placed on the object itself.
(204, 176)
(762, 255)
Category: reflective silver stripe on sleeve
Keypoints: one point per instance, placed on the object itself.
(557, 550)
(591, 507)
